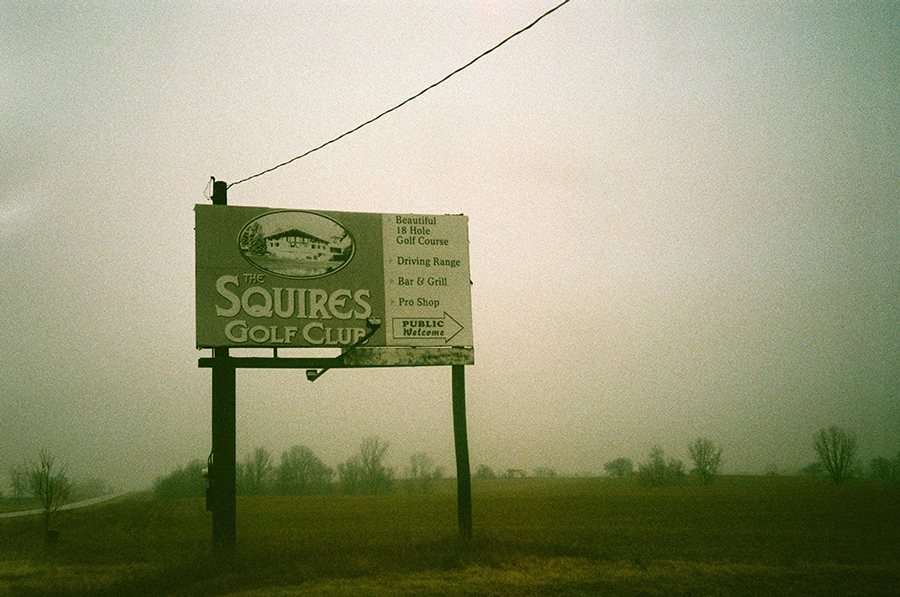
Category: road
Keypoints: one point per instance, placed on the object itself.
(72, 506)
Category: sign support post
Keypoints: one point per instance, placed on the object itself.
(460, 437)
(222, 472)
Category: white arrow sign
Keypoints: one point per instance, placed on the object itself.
(426, 328)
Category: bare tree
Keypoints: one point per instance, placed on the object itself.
(365, 472)
(837, 450)
(302, 472)
(377, 478)
(420, 465)
(420, 471)
(49, 485)
(707, 459)
(350, 475)
(256, 468)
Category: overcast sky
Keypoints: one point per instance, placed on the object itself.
(684, 221)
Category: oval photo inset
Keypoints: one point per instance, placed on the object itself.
(296, 244)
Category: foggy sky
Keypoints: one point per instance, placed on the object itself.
(684, 221)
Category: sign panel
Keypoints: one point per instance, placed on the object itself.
(288, 278)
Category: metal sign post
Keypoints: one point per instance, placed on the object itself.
(222, 471)
(461, 439)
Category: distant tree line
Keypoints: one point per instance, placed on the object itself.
(299, 471)
(835, 447)
(484, 472)
(659, 470)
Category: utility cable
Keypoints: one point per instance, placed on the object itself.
(407, 100)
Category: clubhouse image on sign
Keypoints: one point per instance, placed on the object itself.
(296, 244)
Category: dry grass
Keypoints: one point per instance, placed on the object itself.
(742, 536)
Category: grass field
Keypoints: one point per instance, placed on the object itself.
(741, 536)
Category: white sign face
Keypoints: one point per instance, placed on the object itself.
(289, 278)
(427, 286)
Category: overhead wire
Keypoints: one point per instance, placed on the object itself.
(407, 100)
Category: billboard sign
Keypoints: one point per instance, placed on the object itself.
(290, 278)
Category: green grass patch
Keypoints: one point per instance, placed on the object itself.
(741, 536)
